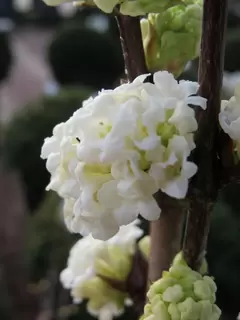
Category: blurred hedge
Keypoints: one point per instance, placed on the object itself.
(80, 56)
(25, 133)
(5, 55)
(224, 249)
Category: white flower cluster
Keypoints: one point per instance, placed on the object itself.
(90, 257)
(110, 158)
(229, 116)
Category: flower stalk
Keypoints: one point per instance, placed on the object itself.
(132, 46)
(205, 184)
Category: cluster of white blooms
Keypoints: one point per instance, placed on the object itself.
(110, 158)
(90, 260)
(229, 116)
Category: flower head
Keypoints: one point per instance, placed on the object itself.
(170, 42)
(110, 158)
(229, 116)
(229, 119)
(91, 261)
(182, 294)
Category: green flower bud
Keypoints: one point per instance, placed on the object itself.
(91, 289)
(113, 262)
(172, 38)
(179, 260)
(174, 312)
(203, 291)
(189, 309)
(159, 309)
(144, 246)
(173, 294)
(182, 294)
(141, 7)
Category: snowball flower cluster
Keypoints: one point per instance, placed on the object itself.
(182, 294)
(229, 117)
(91, 261)
(110, 158)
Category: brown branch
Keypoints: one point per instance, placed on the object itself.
(205, 184)
(165, 235)
(132, 46)
(12, 231)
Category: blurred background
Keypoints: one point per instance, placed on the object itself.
(51, 59)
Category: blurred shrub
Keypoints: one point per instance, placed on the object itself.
(24, 136)
(232, 52)
(48, 241)
(81, 56)
(224, 249)
(5, 55)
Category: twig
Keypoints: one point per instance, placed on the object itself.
(132, 46)
(205, 185)
(165, 235)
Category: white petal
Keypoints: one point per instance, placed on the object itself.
(53, 162)
(108, 195)
(51, 145)
(126, 214)
(148, 143)
(149, 209)
(189, 87)
(165, 81)
(176, 188)
(198, 101)
(189, 169)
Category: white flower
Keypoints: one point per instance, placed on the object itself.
(82, 268)
(238, 317)
(229, 116)
(120, 148)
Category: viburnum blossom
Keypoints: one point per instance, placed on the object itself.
(229, 118)
(110, 158)
(182, 294)
(91, 260)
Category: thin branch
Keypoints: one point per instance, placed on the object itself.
(205, 185)
(166, 235)
(132, 46)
